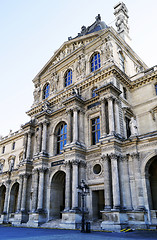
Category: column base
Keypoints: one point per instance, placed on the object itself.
(116, 220)
(71, 220)
(19, 218)
(37, 218)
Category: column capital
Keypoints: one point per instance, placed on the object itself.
(42, 169)
(68, 111)
(45, 122)
(76, 109)
(135, 155)
(105, 157)
(75, 162)
(113, 156)
(83, 163)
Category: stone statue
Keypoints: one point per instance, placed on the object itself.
(108, 51)
(75, 91)
(54, 82)
(36, 93)
(81, 65)
(133, 127)
(11, 164)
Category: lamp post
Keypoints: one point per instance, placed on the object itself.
(83, 190)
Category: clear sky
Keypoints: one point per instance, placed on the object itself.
(31, 30)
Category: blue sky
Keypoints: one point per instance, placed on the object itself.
(31, 30)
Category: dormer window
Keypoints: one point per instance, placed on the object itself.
(95, 62)
(68, 78)
(46, 91)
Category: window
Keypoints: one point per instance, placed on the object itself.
(68, 78)
(3, 149)
(95, 62)
(124, 93)
(95, 130)
(121, 59)
(13, 146)
(94, 94)
(156, 88)
(61, 137)
(46, 91)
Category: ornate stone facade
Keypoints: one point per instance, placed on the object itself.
(93, 118)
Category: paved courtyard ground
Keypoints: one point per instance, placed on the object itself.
(13, 233)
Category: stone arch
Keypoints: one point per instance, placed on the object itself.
(146, 170)
(57, 194)
(13, 197)
(2, 198)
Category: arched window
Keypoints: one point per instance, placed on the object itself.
(95, 62)
(46, 91)
(68, 78)
(61, 137)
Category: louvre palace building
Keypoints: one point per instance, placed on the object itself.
(94, 118)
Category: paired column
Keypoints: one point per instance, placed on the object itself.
(75, 125)
(35, 190)
(28, 153)
(125, 182)
(111, 116)
(69, 126)
(115, 181)
(41, 189)
(20, 193)
(44, 138)
(103, 117)
(117, 120)
(135, 157)
(75, 185)
(38, 139)
(81, 124)
(8, 182)
(24, 193)
(67, 186)
(107, 182)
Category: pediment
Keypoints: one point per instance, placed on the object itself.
(66, 49)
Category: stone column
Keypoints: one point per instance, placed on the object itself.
(38, 139)
(24, 193)
(138, 180)
(125, 182)
(68, 186)
(107, 182)
(115, 181)
(41, 189)
(81, 127)
(24, 146)
(111, 116)
(6, 203)
(75, 125)
(28, 154)
(44, 138)
(69, 126)
(75, 185)
(35, 190)
(117, 116)
(103, 118)
(20, 193)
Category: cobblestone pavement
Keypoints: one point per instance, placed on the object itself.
(13, 233)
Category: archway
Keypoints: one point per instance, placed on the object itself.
(13, 198)
(153, 182)
(57, 197)
(2, 198)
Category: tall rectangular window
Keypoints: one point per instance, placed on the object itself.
(95, 130)
(3, 149)
(128, 131)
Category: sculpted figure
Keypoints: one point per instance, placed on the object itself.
(54, 82)
(36, 93)
(81, 65)
(11, 164)
(133, 127)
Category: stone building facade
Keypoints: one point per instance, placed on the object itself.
(94, 117)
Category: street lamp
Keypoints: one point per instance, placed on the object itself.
(83, 190)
